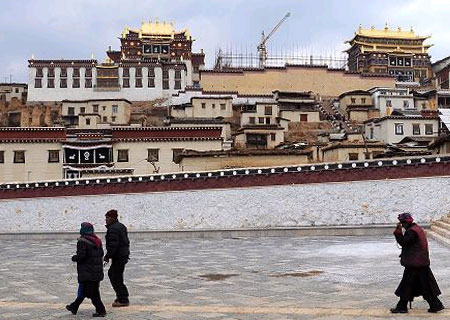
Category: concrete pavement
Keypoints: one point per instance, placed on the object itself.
(258, 278)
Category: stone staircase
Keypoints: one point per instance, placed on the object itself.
(440, 230)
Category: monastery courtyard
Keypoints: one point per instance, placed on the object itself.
(248, 279)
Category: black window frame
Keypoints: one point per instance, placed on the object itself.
(152, 157)
(18, 159)
(123, 155)
(51, 156)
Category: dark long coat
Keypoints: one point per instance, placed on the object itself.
(89, 260)
(418, 279)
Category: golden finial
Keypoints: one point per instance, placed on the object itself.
(386, 27)
(399, 29)
(360, 28)
(32, 56)
(372, 27)
(412, 30)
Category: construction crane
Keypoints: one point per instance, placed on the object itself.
(262, 49)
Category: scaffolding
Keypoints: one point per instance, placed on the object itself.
(232, 59)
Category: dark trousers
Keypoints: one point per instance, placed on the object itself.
(115, 274)
(89, 290)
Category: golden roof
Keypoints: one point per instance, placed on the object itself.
(149, 28)
(388, 33)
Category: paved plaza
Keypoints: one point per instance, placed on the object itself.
(248, 279)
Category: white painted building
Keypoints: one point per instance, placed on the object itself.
(57, 80)
(9, 91)
(394, 128)
(389, 99)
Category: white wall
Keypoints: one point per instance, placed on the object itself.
(132, 93)
(346, 203)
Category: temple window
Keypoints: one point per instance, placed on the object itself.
(138, 83)
(88, 72)
(115, 108)
(122, 155)
(177, 84)
(19, 156)
(53, 156)
(152, 155)
(175, 153)
(76, 83)
(126, 83)
(151, 82)
(353, 156)
(63, 72)
(50, 83)
(38, 83)
(139, 72)
(76, 72)
(126, 72)
(428, 128)
(88, 83)
(39, 72)
(51, 72)
(63, 83)
(398, 129)
(95, 108)
(2, 156)
(165, 84)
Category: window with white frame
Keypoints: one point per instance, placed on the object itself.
(398, 128)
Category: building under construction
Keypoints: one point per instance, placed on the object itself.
(231, 58)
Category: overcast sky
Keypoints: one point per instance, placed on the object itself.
(75, 29)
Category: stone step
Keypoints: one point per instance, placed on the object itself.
(441, 224)
(441, 231)
(441, 239)
(446, 218)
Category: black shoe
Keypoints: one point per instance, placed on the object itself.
(71, 309)
(397, 310)
(436, 309)
(99, 315)
(118, 304)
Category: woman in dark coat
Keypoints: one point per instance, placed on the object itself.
(418, 279)
(89, 260)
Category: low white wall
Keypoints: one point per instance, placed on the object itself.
(346, 203)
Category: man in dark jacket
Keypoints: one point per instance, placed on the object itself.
(418, 279)
(89, 259)
(118, 250)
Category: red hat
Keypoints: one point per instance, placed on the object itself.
(405, 217)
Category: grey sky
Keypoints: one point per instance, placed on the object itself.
(73, 29)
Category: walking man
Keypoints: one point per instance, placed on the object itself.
(418, 279)
(118, 250)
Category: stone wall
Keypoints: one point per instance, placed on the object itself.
(274, 203)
